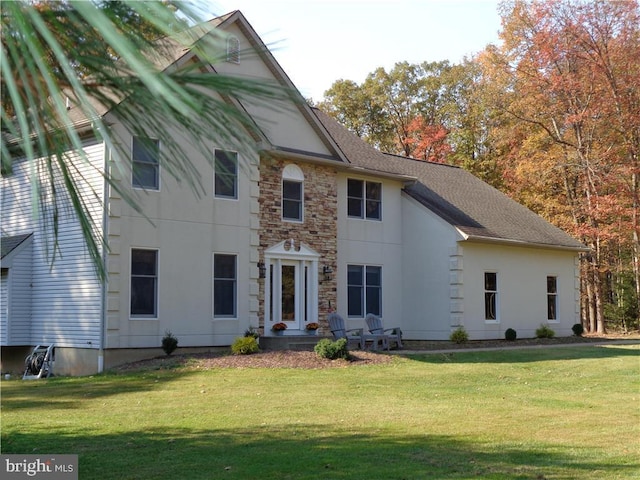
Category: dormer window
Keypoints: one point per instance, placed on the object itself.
(233, 50)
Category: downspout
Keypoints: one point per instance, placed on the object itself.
(105, 248)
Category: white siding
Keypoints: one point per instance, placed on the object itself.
(428, 247)
(4, 305)
(444, 282)
(522, 289)
(284, 125)
(20, 297)
(186, 230)
(66, 294)
(372, 242)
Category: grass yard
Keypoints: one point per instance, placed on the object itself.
(561, 413)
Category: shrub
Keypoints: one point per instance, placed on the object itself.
(545, 332)
(169, 342)
(325, 348)
(459, 335)
(577, 329)
(510, 334)
(251, 332)
(245, 346)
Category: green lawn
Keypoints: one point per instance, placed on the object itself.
(562, 413)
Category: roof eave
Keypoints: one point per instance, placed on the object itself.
(520, 243)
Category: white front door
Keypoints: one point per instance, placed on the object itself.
(291, 288)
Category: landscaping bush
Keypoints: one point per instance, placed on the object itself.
(252, 332)
(459, 335)
(245, 346)
(510, 334)
(325, 348)
(169, 342)
(577, 329)
(545, 332)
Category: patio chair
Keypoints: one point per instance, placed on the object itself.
(336, 325)
(374, 324)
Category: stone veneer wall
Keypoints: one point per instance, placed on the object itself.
(319, 230)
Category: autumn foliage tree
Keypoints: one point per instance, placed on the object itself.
(426, 141)
(569, 71)
(551, 116)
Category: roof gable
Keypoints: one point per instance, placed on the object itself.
(11, 246)
(291, 129)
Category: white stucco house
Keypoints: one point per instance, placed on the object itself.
(316, 221)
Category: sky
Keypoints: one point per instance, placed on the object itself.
(317, 42)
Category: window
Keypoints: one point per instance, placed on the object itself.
(146, 167)
(292, 200)
(233, 50)
(490, 296)
(144, 283)
(226, 174)
(292, 193)
(224, 286)
(364, 290)
(552, 298)
(364, 199)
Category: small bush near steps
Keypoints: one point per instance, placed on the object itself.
(325, 348)
(577, 329)
(459, 335)
(545, 332)
(169, 342)
(245, 346)
(510, 334)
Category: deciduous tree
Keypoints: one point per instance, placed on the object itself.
(570, 70)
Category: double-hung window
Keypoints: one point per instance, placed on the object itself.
(552, 298)
(292, 200)
(292, 193)
(144, 283)
(364, 199)
(226, 174)
(364, 290)
(491, 296)
(145, 155)
(225, 280)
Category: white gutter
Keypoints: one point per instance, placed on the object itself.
(518, 243)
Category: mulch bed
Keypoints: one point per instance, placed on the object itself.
(309, 360)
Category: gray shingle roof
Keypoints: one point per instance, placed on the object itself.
(9, 244)
(476, 209)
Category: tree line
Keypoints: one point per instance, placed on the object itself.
(550, 116)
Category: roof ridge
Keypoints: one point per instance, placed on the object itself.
(429, 162)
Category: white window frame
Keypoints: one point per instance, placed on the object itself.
(292, 174)
(223, 175)
(496, 297)
(363, 292)
(225, 316)
(144, 316)
(364, 199)
(157, 165)
(553, 295)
